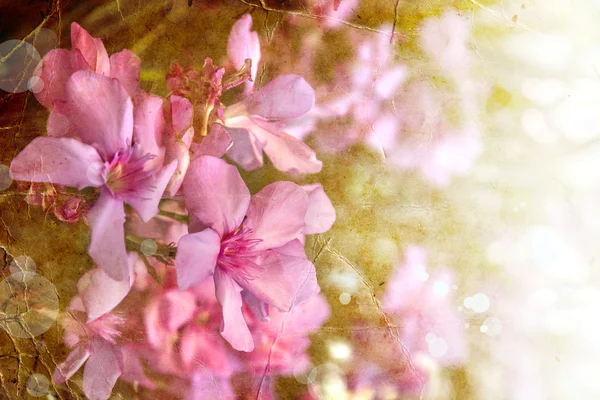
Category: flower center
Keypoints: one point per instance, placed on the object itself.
(238, 253)
(127, 175)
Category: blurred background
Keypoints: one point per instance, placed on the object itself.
(460, 148)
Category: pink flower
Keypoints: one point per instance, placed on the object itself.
(88, 54)
(92, 344)
(422, 302)
(100, 113)
(246, 243)
(255, 123)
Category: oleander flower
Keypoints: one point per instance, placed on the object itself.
(88, 54)
(245, 243)
(256, 123)
(117, 152)
(93, 344)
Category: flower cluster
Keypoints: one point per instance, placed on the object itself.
(215, 272)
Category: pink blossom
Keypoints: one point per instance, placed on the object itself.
(422, 301)
(255, 123)
(101, 114)
(88, 54)
(92, 344)
(245, 243)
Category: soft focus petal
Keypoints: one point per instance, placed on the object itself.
(276, 214)
(146, 204)
(201, 347)
(234, 328)
(286, 280)
(100, 112)
(258, 307)
(125, 67)
(246, 149)
(320, 215)
(61, 161)
(102, 370)
(93, 49)
(285, 97)
(243, 44)
(216, 194)
(215, 144)
(196, 257)
(133, 370)
(107, 247)
(74, 361)
(54, 71)
(101, 293)
(287, 153)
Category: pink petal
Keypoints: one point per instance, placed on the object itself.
(216, 194)
(200, 347)
(93, 49)
(61, 161)
(205, 385)
(54, 71)
(133, 370)
(146, 204)
(148, 129)
(285, 97)
(182, 114)
(102, 370)
(287, 153)
(176, 309)
(215, 143)
(320, 215)
(308, 316)
(234, 328)
(286, 280)
(100, 112)
(246, 149)
(107, 247)
(258, 307)
(276, 214)
(180, 151)
(243, 44)
(196, 257)
(125, 67)
(74, 361)
(102, 294)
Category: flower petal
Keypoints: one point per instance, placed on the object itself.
(101, 293)
(243, 44)
(61, 161)
(246, 149)
(215, 144)
(276, 214)
(182, 114)
(234, 328)
(320, 215)
(102, 370)
(196, 257)
(125, 67)
(93, 49)
(73, 362)
(100, 112)
(54, 71)
(107, 247)
(286, 280)
(146, 205)
(285, 97)
(148, 130)
(287, 153)
(216, 194)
